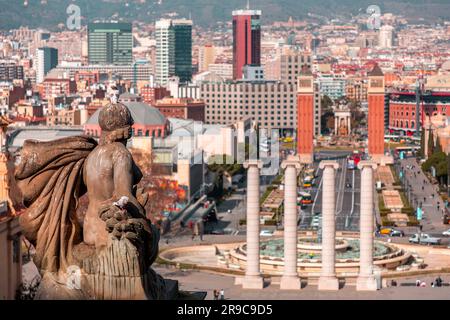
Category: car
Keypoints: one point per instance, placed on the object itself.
(446, 219)
(266, 233)
(446, 233)
(424, 239)
(386, 231)
(316, 221)
(396, 233)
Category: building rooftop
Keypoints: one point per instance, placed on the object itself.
(376, 72)
(141, 113)
(19, 136)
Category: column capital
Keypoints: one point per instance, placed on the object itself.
(329, 163)
(367, 164)
(292, 161)
(253, 163)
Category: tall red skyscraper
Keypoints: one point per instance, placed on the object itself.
(305, 116)
(376, 92)
(246, 40)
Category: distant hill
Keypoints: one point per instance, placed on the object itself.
(13, 13)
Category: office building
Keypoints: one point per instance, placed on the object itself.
(292, 64)
(110, 43)
(246, 40)
(332, 86)
(206, 57)
(272, 104)
(182, 29)
(46, 60)
(182, 108)
(142, 72)
(386, 39)
(10, 71)
(173, 50)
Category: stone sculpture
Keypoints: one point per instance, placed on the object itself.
(108, 253)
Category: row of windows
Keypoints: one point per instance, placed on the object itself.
(266, 102)
(134, 132)
(245, 112)
(207, 95)
(264, 124)
(399, 124)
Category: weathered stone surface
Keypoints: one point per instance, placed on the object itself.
(109, 254)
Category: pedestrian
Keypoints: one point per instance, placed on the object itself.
(439, 281)
(216, 295)
(423, 284)
(418, 282)
(222, 294)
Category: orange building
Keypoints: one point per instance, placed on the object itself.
(305, 116)
(376, 93)
(184, 108)
(151, 94)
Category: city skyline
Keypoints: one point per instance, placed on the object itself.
(149, 154)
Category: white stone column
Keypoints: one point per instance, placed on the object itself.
(328, 279)
(253, 278)
(366, 280)
(336, 125)
(290, 279)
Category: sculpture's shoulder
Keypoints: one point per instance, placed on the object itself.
(114, 152)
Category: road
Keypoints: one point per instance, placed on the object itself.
(347, 199)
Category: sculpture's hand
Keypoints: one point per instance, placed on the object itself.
(120, 224)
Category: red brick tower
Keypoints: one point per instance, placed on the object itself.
(305, 116)
(376, 93)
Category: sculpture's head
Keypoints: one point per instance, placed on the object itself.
(115, 121)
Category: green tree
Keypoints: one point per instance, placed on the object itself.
(430, 143)
(422, 144)
(326, 103)
(438, 147)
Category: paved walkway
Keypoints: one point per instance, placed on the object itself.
(207, 282)
(429, 196)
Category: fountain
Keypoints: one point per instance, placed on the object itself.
(386, 256)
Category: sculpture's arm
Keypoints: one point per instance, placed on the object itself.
(123, 181)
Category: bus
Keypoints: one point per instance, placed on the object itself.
(310, 173)
(354, 160)
(304, 199)
(308, 182)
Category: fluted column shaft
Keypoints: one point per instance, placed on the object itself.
(366, 222)
(290, 279)
(366, 280)
(290, 222)
(253, 229)
(253, 279)
(328, 222)
(328, 279)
